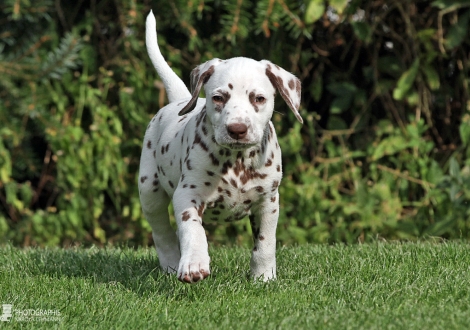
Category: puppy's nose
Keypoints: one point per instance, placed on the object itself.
(237, 131)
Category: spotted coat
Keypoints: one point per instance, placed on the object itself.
(217, 159)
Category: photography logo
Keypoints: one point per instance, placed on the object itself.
(6, 315)
(29, 315)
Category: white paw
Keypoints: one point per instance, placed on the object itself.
(193, 268)
(264, 276)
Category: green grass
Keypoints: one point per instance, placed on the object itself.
(374, 286)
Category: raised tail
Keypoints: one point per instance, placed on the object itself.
(174, 86)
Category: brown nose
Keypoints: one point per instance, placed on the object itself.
(237, 131)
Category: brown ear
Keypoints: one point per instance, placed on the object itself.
(199, 76)
(287, 84)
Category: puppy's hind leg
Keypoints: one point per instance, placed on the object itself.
(155, 203)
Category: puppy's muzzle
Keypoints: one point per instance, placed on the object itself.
(237, 131)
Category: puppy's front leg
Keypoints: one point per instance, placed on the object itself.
(194, 262)
(263, 222)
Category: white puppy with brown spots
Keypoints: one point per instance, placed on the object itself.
(217, 159)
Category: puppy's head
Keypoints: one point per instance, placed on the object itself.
(240, 97)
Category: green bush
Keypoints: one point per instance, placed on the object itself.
(384, 151)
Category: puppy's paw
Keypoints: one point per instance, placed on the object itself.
(194, 268)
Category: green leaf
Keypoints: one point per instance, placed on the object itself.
(432, 77)
(390, 146)
(336, 123)
(406, 81)
(444, 4)
(457, 32)
(314, 11)
(344, 92)
(464, 130)
(363, 31)
(317, 88)
(339, 5)
(454, 168)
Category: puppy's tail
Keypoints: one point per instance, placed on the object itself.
(175, 87)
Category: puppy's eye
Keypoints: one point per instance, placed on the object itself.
(217, 98)
(260, 99)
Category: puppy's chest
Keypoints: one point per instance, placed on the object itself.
(238, 189)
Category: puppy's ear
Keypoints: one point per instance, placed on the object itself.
(287, 84)
(199, 76)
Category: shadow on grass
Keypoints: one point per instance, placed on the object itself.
(136, 270)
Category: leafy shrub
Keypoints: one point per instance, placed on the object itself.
(384, 151)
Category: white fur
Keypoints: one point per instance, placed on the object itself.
(219, 161)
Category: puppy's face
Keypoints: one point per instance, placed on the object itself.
(239, 102)
(240, 97)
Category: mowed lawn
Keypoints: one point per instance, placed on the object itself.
(372, 286)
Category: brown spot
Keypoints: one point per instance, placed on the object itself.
(275, 184)
(185, 216)
(210, 173)
(259, 189)
(233, 183)
(214, 159)
(155, 182)
(204, 129)
(229, 194)
(220, 199)
(216, 212)
(155, 154)
(207, 183)
(248, 201)
(273, 199)
(171, 184)
(198, 140)
(268, 163)
(167, 147)
(192, 186)
(143, 178)
(278, 83)
(230, 86)
(163, 150)
(261, 237)
(220, 189)
(193, 201)
(291, 84)
(200, 210)
(228, 153)
(149, 144)
(255, 249)
(274, 211)
(252, 153)
(226, 166)
(250, 174)
(188, 165)
(155, 190)
(278, 168)
(185, 185)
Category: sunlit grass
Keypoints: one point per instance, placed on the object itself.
(378, 286)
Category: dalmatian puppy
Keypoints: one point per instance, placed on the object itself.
(216, 159)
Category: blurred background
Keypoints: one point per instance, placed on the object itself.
(383, 154)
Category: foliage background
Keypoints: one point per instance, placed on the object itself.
(384, 151)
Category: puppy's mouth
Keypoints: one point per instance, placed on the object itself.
(237, 144)
(240, 145)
